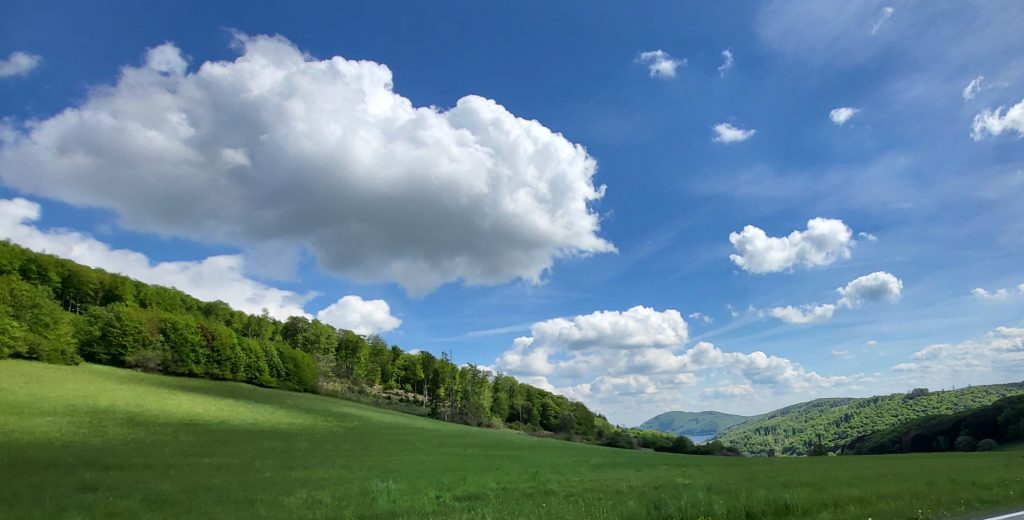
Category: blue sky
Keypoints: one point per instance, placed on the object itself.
(132, 139)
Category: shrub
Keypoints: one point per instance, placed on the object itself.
(987, 445)
(965, 443)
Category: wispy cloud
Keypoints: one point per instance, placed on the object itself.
(18, 63)
(726, 63)
(883, 15)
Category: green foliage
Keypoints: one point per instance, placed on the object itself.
(987, 445)
(829, 425)
(995, 422)
(965, 443)
(32, 325)
(53, 309)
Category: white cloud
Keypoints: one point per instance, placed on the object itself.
(842, 354)
(215, 278)
(18, 63)
(867, 236)
(874, 287)
(660, 64)
(360, 316)
(995, 122)
(730, 390)
(727, 61)
(615, 361)
(277, 147)
(804, 313)
(871, 344)
(726, 133)
(633, 328)
(999, 357)
(983, 294)
(822, 243)
(883, 14)
(1021, 288)
(841, 115)
(973, 88)
(166, 59)
(700, 316)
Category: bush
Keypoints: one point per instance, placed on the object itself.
(987, 445)
(965, 443)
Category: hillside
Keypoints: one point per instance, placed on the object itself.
(93, 441)
(693, 424)
(980, 429)
(830, 424)
(58, 311)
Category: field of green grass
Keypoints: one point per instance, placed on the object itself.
(98, 442)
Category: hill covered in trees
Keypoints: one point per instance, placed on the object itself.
(828, 425)
(981, 429)
(693, 424)
(57, 311)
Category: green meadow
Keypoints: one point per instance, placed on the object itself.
(93, 441)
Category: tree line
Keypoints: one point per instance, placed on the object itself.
(58, 311)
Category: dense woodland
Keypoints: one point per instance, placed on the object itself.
(981, 429)
(57, 311)
(828, 425)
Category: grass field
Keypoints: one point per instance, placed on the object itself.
(100, 442)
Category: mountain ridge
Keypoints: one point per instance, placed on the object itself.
(707, 423)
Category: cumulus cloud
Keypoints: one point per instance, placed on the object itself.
(867, 236)
(841, 115)
(726, 133)
(215, 278)
(983, 294)
(972, 88)
(278, 147)
(660, 64)
(360, 316)
(726, 63)
(875, 287)
(822, 243)
(995, 122)
(18, 63)
(804, 313)
(883, 15)
(614, 360)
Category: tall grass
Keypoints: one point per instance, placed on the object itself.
(99, 442)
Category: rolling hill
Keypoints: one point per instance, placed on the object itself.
(93, 441)
(830, 424)
(693, 424)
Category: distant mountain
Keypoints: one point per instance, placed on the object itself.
(693, 424)
(831, 424)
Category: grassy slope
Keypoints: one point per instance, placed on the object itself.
(100, 442)
(837, 421)
(692, 423)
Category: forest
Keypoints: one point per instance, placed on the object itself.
(825, 426)
(981, 429)
(58, 311)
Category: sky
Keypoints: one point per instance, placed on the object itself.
(645, 206)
